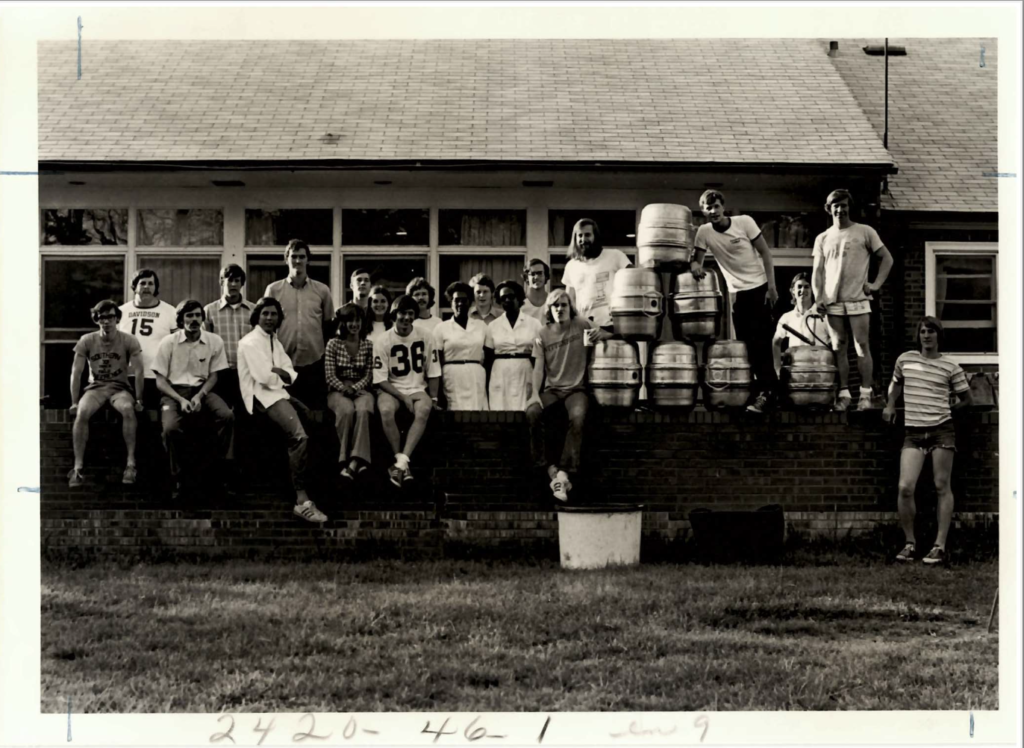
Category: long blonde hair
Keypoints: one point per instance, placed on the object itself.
(551, 299)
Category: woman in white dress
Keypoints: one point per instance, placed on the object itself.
(378, 318)
(464, 351)
(514, 333)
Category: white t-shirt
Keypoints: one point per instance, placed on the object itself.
(403, 361)
(733, 250)
(537, 312)
(427, 325)
(800, 323)
(150, 325)
(592, 282)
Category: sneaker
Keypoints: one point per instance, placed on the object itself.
(864, 403)
(395, 475)
(561, 486)
(936, 555)
(843, 403)
(406, 475)
(760, 404)
(308, 511)
(130, 474)
(346, 473)
(75, 478)
(907, 554)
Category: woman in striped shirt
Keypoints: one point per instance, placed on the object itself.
(926, 380)
(348, 364)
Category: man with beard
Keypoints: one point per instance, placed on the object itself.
(536, 274)
(463, 351)
(150, 320)
(186, 367)
(423, 294)
(588, 276)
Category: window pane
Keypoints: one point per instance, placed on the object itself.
(185, 278)
(159, 227)
(498, 267)
(618, 227)
(72, 287)
(951, 310)
(275, 228)
(376, 228)
(969, 340)
(394, 273)
(482, 228)
(83, 227)
(57, 360)
(262, 271)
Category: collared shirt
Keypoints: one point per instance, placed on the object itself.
(340, 366)
(231, 323)
(306, 308)
(258, 353)
(492, 315)
(190, 363)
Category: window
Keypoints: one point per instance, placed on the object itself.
(618, 227)
(376, 228)
(482, 228)
(88, 226)
(961, 289)
(198, 227)
(394, 273)
(262, 270)
(463, 267)
(275, 228)
(185, 277)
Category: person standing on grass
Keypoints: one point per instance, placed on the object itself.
(360, 284)
(187, 366)
(401, 357)
(842, 255)
(264, 370)
(150, 320)
(561, 360)
(589, 274)
(348, 366)
(800, 318)
(378, 313)
(110, 353)
(307, 307)
(746, 262)
(484, 309)
(228, 317)
(536, 275)
(926, 380)
(464, 351)
(423, 294)
(513, 332)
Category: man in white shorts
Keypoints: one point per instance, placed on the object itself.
(150, 320)
(401, 357)
(588, 277)
(840, 279)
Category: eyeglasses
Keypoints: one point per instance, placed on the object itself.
(106, 316)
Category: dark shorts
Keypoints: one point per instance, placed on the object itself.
(927, 439)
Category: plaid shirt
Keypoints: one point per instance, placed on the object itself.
(340, 367)
(230, 324)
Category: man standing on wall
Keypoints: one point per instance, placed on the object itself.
(307, 307)
(360, 283)
(746, 262)
(588, 276)
(536, 275)
(228, 317)
(842, 254)
(150, 320)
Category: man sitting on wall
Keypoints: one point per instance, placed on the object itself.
(562, 358)
(842, 254)
(401, 357)
(536, 275)
(423, 294)
(483, 291)
(589, 274)
(228, 317)
(150, 320)
(186, 367)
(109, 353)
(307, 307)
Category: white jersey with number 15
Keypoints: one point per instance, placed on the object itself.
(149, 325)
(403, 361)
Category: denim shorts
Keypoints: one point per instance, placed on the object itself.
(929, 438)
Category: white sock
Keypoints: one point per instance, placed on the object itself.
(865, 391)
(844, 392)
(402, 460)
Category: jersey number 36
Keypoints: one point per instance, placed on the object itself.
(405, 359)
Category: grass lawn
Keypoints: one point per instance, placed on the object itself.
(476, 636)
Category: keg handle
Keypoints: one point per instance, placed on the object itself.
(656, 298)
(711, 385)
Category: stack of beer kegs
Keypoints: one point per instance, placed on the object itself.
(664, 238)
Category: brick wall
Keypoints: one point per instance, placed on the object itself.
(474, 486)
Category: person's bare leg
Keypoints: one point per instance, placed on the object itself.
(860, 326)
(942, 469)
(388, 405)
(80, 431)
(840, 342)
(421, 415)
(911, 462)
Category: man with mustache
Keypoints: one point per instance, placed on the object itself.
(588, 276)
(186, 367)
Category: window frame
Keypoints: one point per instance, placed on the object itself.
(967, 249)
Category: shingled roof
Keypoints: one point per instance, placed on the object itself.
(710, 101)
(942, 119)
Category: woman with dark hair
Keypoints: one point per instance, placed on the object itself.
(926, 380)
(464, 350)
(264, 370)
(378, 316)
(514, 333)
(348, 369)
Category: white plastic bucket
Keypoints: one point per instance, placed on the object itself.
(595, 537)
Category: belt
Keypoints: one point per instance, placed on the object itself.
(455, 363)
(511, 355)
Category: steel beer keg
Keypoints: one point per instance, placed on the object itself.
(673, 375)
(665, 235)
(727, 380)
(615, 374)
(809, 376)
(696, 310)
(637, 304)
